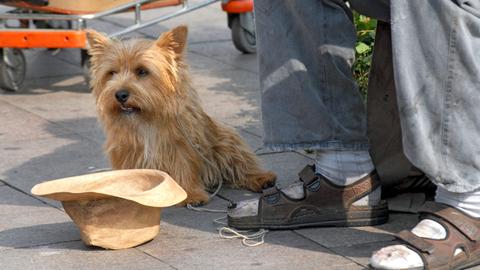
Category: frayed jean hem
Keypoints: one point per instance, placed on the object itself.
(330, 145)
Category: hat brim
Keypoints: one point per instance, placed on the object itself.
(144, 186)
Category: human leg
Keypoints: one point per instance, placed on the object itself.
(310, 100)
(436, 84)
(309, 97)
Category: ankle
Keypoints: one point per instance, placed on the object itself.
(343, 167)
(468, 202)
(372, 198)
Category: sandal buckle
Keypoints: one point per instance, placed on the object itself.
(310, 180)
(307, 174)
(314, 185)
(271, 195)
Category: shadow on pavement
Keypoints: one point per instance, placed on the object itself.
(44, 234)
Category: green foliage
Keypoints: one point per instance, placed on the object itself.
(363, 50)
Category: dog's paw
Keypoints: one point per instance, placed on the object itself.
(196, 201)
(261, 181)
(197, 198)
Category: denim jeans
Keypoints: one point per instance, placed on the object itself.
(310, 99)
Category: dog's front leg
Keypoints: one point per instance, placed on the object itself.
(196, 196)
(188, 176)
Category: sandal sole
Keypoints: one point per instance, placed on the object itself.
(356, 219)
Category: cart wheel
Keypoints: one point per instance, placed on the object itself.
(244, 39)
(85, 61)
(12, 69)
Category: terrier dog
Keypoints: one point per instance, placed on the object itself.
(152, 117)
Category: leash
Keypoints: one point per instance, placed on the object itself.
(196, 148)
(249, 238)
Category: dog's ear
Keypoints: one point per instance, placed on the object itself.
(174, 40)
(97, 42)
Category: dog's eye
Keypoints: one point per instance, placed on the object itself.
(112, 72)
(141, 72)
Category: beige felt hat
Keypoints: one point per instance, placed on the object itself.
(115, 209)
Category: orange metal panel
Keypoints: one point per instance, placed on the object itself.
(238, 6)
(42, 39)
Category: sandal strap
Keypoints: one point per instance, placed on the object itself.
(415, 241)
(466, 225)
(307, 175)
(461, 233)
(363, 187)
(350, 193)
(330, 196)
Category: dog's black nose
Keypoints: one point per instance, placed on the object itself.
(122, 96)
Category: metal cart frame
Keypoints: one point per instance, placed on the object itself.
(83, 18)
(12, 60)
(12, 40)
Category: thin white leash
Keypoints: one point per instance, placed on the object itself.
(249, 238)
(204, 209)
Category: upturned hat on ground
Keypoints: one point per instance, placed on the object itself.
(115, 209)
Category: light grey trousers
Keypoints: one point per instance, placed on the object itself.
(310, 100)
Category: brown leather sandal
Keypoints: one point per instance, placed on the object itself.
(324, 204)
(462, 232)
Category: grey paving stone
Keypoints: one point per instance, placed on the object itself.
(56, 83)
(46, 159)
(254, 141)
(72, 111)
(26, 222)
(75, 255)
(34, 228)
(87, 128)
(219, 85)
(227, 54)
(19, 125)
(56, 105)
(338, 237)
(341, 237)
(255, 128)
(282, 250)
(201, 221)
(361, 253)
(13, 201)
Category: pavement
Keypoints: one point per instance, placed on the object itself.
(49, 130)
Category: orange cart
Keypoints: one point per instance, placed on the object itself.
(60, 24)
(242, 23)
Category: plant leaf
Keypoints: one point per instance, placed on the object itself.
(362, 48)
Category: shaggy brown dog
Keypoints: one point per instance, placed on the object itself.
(153, 119)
